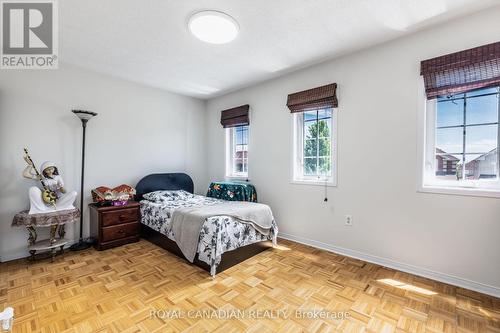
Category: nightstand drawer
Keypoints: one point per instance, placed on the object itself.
(114, 225)
(119, 216)
(120, 231)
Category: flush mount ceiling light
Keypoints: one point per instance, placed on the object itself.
(213, 27)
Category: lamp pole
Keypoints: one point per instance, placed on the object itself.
(84, 117)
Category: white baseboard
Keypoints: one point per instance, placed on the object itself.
(25, 253)
(420, 271)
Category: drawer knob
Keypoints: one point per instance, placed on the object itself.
(122, 217)
(121, 231)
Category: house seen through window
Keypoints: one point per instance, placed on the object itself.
(466, 136)
(237, 151)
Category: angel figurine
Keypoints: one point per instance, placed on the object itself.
(54, 196)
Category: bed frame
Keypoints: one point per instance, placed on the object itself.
(181, 181)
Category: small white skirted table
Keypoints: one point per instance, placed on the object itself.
(55, 220)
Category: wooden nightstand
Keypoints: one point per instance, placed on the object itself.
(114, 225)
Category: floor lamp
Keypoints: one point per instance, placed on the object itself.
(84, 117)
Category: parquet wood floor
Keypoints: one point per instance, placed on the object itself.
(116, 290)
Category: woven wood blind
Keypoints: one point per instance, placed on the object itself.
(458, 72)
(233, 117)
(312, 99)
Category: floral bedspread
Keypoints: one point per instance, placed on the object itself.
(218, 234)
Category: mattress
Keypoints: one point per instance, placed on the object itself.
(218, 234)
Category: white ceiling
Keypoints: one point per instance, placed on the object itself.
(147, 41)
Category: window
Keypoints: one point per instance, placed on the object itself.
(237, 151)
(314, 147)
(462, 139)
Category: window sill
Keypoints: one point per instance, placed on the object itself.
(313, 183)
(465, 191)
(240, 178)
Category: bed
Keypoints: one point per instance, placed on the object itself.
(223, 240)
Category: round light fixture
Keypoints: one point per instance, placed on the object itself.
(213, 27)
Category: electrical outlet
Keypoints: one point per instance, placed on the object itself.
(348, 220)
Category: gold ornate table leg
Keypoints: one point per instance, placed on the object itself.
(53, 229)
(62, 231)
(32, 235)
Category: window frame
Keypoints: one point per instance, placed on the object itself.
(230, 150)
(296, 174)
(426, 180)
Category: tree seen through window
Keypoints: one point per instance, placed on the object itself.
(317, 142)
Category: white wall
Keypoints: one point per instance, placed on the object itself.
(452, 238)
(139, 130)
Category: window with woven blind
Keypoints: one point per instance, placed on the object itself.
(462, 122)
(236, 122)
(314, 135)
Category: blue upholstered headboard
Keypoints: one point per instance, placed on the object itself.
(163, 181)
